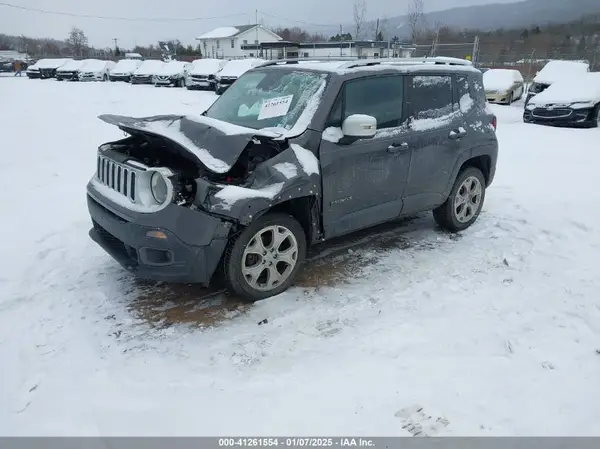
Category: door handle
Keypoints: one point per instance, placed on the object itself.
(396, 147)
(457, 133)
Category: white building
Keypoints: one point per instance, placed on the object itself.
(357, 49)
(227, 42)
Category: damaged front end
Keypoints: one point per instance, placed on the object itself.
(179, 174)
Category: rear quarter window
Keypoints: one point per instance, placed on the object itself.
(430, 96)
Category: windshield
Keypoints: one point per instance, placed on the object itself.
(267, 98)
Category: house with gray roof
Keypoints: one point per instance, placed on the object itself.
(226, 42)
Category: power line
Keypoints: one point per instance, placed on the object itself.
(295, 20)
(129, 19)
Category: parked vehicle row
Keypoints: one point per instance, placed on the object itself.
(207, 74)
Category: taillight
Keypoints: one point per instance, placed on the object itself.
(494, 122)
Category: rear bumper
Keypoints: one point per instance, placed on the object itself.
(583, 118)
(191, 252)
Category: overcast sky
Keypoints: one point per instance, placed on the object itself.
(101, 32)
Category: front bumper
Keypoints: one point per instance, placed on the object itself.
(561, 117)
(91, 77)
(33, 75)
(165, 82)
(190, 254)
(126, 78)
(500, 98)
(67, 76)
(47, 73)
(201, 84)
(141, 79)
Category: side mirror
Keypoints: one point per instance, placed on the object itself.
(359, 126)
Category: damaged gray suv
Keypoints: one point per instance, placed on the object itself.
(293, 154)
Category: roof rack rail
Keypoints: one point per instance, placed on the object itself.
(407, 61)
(300, 60)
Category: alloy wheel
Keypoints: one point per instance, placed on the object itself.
(269, 257)
(468, 199)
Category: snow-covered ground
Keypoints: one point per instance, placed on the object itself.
(492, 332)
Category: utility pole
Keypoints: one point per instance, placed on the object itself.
(256, 26)
(341, 42)
(475, 55)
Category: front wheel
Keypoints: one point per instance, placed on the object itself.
(264, 259)
(105, 77)
(464, 204)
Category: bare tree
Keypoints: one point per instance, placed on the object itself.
(360, 12)
(77, 42)
(415, 18)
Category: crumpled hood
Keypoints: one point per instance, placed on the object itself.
(215, 144)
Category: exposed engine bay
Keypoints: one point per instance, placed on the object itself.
(157, 151)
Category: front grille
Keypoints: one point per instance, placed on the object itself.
(552, 113)
(200, 77)
(118, 177)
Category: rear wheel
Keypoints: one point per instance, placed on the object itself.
(265, 258)
(464, 203)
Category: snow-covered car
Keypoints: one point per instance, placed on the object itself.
(555, 71)
(144, 73)
(124, 70)
(70, 71)
(173, 73)
(96, 70)
(503, 85)
(233, 70)
(203, 73)
(33, 71)
(570, 102)
(48, 67)
(136, 56)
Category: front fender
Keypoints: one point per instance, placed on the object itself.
(293, 173)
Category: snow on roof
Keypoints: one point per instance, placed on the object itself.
(498, 79)
(219, 33)
(149, 67)
(583, 87)
(557, 70)
(171, 68)
(71, 66)
(52, 63)
(402, 67)
(92, 65)
(205, 66)
(126, 65)
(238, 67)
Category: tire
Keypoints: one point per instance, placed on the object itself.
(597, 115)
(105, 78)
(452, 218)
(241, 251)
(510, 98)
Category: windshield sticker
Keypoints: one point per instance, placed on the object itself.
(275, 107)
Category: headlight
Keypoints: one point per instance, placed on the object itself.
(582, 104)
(530, 107)
(158, 187)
